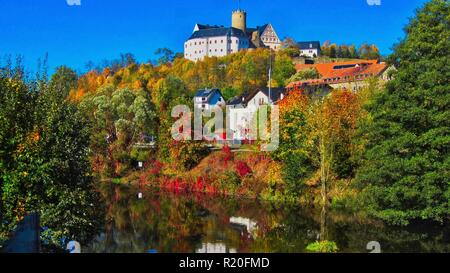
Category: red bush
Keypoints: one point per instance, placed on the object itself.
(200, 185)
(156, 169)
(242, 169)
(228, 155)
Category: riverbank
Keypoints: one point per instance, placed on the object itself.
(249, 175)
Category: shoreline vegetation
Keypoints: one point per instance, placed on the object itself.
(383, 151)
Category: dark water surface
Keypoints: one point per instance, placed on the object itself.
(173, 223)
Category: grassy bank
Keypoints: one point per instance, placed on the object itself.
(251, 175)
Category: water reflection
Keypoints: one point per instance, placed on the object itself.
(215, 248)
(171, 223)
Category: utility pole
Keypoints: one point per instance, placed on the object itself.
(270, 77)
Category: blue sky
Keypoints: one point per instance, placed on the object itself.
(102, 29)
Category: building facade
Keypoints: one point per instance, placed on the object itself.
(349, 75)
(219, 41)
(309, 49)
(269, 37)
(242, 110)
(208, 99)
(216, 42)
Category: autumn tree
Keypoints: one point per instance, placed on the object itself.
(334, 122)
(290, 47)
(293, 151)
(369, 52)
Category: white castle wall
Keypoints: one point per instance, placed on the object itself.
(198, 49)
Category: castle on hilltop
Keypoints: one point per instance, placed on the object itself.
(221, 41)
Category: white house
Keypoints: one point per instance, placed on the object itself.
(309, 49)
(242, 110)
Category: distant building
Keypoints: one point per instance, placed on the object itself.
(263, 96)
(207, 99)
(309, 49)
(350, 75)
(249, 225)
(221, 41)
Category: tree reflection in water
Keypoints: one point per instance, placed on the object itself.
(174, 223)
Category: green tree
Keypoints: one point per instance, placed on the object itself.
(352, 52)
(283, 69)
(44, 163)
(333, 51)
(119, 118)
(406, 166)
(229, 93)
(17, 105)
(166, 55)
(306, 74)
(64, 80)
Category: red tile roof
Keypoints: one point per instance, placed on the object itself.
(339, 72)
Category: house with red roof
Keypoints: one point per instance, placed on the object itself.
(348, 75)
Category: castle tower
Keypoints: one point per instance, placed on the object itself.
(239, 20)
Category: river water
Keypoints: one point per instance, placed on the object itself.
(176, 223)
